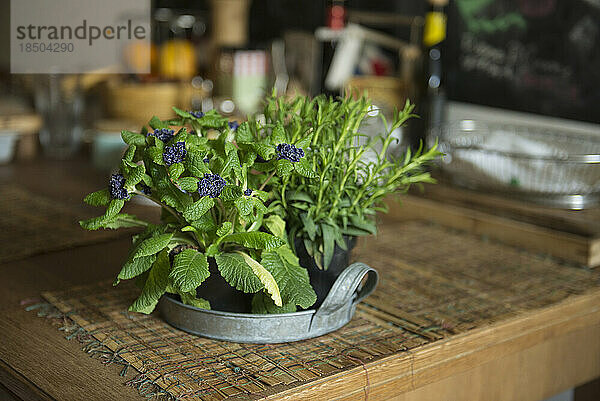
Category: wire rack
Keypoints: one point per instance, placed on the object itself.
(552, 167)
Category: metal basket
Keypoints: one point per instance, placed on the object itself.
(551, 167)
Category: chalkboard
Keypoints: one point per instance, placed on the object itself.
(539, 56)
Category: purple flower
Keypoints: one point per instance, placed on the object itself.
(211, 185)
(233, 125)
(206, 160)
(197, 114)
(116, 187)
(175, 153)
(164, 134)
(248, 192)
(289, 152)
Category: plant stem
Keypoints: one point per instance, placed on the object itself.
(267, 181)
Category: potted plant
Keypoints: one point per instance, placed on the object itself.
(325, 212)
(220, 237)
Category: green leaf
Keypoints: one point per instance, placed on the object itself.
(212, 121)
(182, 113)
(155, 286)
(98, 198)
(265, 277)
(304, 168)
(255, 240)
(284, 168)
(156, 122)
(304, 142)
(190, 269)
(156, 155)
(123, 220)
(197, 209)
(133, 138)
(292, 279)
(152, 245)
(135, 267)
(130, 153)
(263, 304)
(134, 176)
(224, 229)
(244, 206)
(263, 150)
(328, 244)
(309, 226)
(363, 224)
(278, 135)
(192, 300)
(204, 223)
(238, 273)
(175, 170)
(167, 191)
(189, 184)
(243, 134)
(194, 163)
(114, 207)
(276, 225)
(231, 192)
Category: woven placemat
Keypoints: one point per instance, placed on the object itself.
(31, 224)
(434, 283)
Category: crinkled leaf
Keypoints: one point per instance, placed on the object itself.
(284, 168)
(292, 279)
(133, 138)
(175, 170)
(204, 223)
(224, 229)
(243, 134)
(134, 176)
(135, 267)
(244, 206)
(189, 184)
(278, 135)
(192, 300)
(304, 168)
(156, 122)
(152, 245)
(121, 220)
(194, 163)
(156, 155)
(304, 142)
(190, 269)
(238, 273)
(155, 286)
(182, 113)
(130, 153)
(231, 192)
(114, 207)
(255, 240)
(197, 209)
(265, 277)
(98, 198)
(262, 303)
(167, 191)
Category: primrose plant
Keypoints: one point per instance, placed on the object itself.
(211, 178)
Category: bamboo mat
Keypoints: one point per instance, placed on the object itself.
(31, 224)
(434, 282)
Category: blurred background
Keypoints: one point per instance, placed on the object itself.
(510, 87)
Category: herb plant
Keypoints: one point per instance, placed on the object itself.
(210, 179)
(348, 188)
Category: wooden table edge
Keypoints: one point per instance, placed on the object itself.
(404, 372)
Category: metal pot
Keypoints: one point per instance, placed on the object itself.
(336, 310)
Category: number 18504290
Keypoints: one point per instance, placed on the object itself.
(51, 47)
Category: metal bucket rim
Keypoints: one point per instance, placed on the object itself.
(244, 315)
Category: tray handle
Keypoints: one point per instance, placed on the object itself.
(345, 290)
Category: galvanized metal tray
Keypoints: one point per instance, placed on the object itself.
(336, 310)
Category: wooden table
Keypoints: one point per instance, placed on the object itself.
(529, 357)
